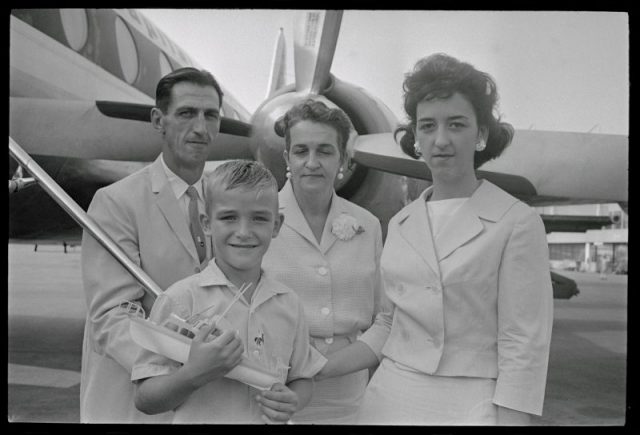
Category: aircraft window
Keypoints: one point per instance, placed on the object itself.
(75, 26)
(165, 65)
(126, 51)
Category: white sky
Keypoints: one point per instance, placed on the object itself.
(563, 71)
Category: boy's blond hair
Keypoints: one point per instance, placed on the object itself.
(239, 174)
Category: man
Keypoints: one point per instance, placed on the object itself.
(149, 214)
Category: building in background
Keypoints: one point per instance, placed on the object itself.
(602, 250)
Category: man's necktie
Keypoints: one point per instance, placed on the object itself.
(194, 223)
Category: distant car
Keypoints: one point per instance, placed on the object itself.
(563, 287)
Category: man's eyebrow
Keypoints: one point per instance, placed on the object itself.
(431, 118)
(206, 109)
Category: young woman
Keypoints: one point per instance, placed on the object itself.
(466, 268)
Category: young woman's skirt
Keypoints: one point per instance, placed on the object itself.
(400, 396)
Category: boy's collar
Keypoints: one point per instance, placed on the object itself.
(212, 275)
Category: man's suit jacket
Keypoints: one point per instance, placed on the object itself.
(142, 215)
(485, 309)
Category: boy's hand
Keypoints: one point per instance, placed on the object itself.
(278, 405)
(212, 357)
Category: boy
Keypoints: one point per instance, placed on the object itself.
(242, 203)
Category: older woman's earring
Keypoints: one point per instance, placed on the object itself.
(340, 174)
(480, 146)
(416, 148)
(288, 174)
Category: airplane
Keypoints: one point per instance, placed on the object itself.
(82, 86)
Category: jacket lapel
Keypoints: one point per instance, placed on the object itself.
(462, 227)
(294, 218)
(415, 228)
(169, 207)
(487, 202)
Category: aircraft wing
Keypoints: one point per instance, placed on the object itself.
(540, 167)
(105, 130)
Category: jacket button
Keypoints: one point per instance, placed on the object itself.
(196, 270)
(325, 311)
(322, 270)
(328, 340)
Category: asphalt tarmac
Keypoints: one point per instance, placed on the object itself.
(586, 384)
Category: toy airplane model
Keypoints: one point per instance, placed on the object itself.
(172, 339)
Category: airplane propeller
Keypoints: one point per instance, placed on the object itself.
(315, 40)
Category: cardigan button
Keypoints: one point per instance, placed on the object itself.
(325, 311)
(322, 270)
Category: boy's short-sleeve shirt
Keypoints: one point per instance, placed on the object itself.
(272, 327)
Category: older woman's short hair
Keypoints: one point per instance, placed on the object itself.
(315, 111)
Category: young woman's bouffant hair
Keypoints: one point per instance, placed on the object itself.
(440, 76)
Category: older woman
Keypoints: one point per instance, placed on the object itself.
(466, 268)
(328, 251)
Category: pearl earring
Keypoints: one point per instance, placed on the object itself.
(416, 148)
(340, 174)
(288, 174)
(480, 146)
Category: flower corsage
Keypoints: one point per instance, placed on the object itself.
(345, 227)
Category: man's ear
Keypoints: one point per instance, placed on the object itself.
(278, 224)
(157, 119)
(205, 224)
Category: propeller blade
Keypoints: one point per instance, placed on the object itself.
(278, 66)
(380, 151)
(315, 38)
(104, 130)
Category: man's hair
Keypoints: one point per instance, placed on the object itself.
(187, 74)
(239, 174)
